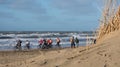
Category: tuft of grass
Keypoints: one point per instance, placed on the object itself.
(110, 20)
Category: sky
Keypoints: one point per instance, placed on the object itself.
(49, 15)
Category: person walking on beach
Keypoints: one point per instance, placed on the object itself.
(18, 45)
(40, 43)
(28, 44)
(72, 40)
(58, 41)
(94, 41)
(77, 41)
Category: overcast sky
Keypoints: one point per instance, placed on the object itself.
(49, 15)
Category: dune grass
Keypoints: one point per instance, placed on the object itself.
(110, 20)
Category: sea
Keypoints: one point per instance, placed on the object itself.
(8, 39)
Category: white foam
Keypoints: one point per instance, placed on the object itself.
(34, 41)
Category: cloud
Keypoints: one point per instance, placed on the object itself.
(23, 10)
(6, 15)
(74, 7)
(6, 2)
(29, 5)
(33, 6)
(63, 4)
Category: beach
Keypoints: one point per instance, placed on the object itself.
(105, 53)
(8, 40)
(59, 33)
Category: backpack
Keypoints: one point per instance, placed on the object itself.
(77, 41)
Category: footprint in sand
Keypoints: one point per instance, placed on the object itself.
(79, 61)
(45, 62)
(7, 65)
(32, 61)
(56, 66)
(101, 53)
(106, 65)
(70, 58)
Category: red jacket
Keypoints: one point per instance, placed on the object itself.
(41, 41)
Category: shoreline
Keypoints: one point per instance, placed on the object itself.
(50, 49)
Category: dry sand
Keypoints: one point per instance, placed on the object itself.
(104, 54)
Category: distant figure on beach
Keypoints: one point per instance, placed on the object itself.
(18, 45)
(40, 43)
(44, 44)
(58, 41)
(77, 41)
(27, 44)
(49, 43)
(94, 41)
(72, 40)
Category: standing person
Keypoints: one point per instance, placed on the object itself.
(72, 40)
(77, 41)
(28, 44)
(94, 41)
(18, 45)
(58, 41)
(40, 43)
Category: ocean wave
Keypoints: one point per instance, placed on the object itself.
(10, 39)
(50, 35)
(5, 37)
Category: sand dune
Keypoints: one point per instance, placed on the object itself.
(104, 54)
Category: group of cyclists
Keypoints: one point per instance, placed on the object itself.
(42, 43)
(48, 43)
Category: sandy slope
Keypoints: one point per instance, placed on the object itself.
(105, 54)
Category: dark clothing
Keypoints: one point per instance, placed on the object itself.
(18, 45)
(40, 45)
(94, 41)
(45, 45)
(44, 42)
(72, 43)
(28, 45)
(58, 44)
(77, 42)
